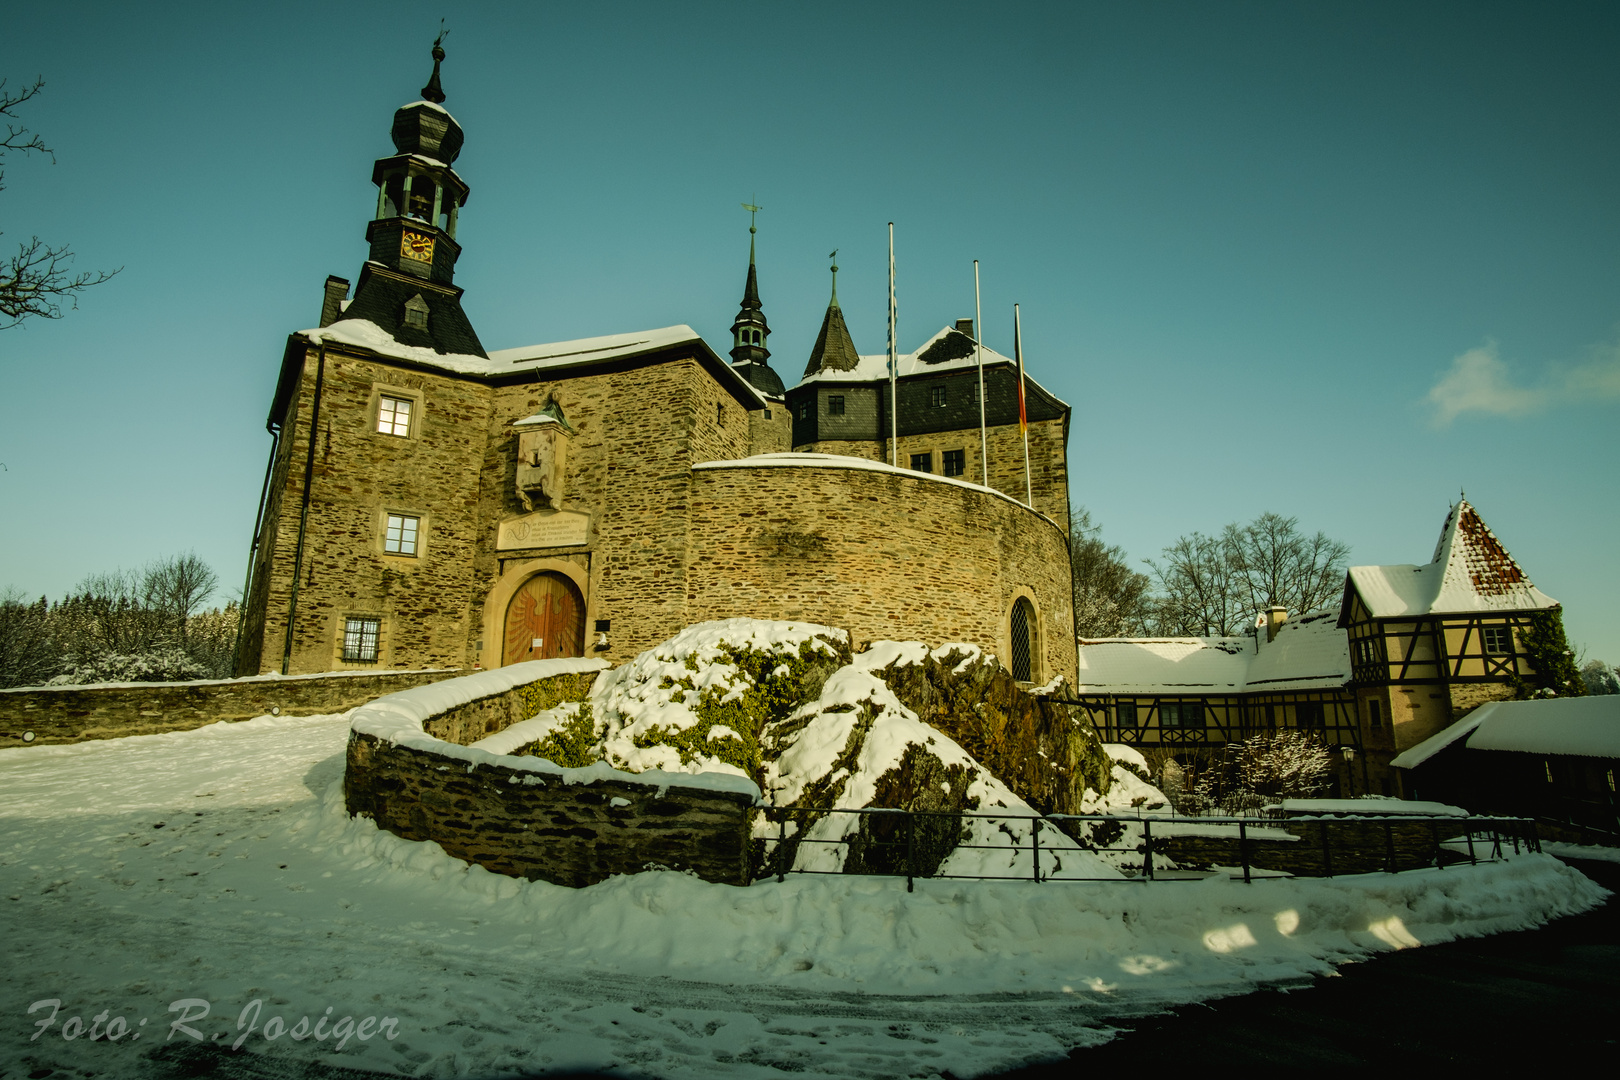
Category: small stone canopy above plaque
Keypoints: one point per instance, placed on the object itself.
(545, 529)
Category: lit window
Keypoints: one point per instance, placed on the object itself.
(922, 462)
(835, 405)
(360, 640)
(394, 415)
(1498, 639)
(955, 462)
(936, 396)
(400, 538)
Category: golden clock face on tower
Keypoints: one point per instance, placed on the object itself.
(413, 245)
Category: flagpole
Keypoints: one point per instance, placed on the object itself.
(1023, 416)
(978, 348)
(894, 366)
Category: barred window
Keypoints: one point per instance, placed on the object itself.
(400, 536)
(394, 415)
(922, 462)
(1023, 640)
(360, 636)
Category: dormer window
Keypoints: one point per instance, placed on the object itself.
(416, 313)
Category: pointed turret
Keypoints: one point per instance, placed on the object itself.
(834, 349)
(407, 285)
(750, 331)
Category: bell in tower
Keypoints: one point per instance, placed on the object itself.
(407, 285)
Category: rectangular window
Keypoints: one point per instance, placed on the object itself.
(1375, 718)
(360, 637)
(400, 537)
(955, 462)
(1126, 711)
(804, 410)
(937, 396)
(1181, 714)
(1310, 714)
(835, 405)
(922, 462)
(394, 415)
(1498, 639)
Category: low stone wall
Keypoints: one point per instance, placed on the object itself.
(69, 714)
(526, 817)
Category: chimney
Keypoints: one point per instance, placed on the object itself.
(1276, 615)
(337, 291)
(965, 326)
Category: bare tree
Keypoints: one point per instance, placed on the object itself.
(37, 279)
(177, 587)
(1214, 585)
(1110, 599)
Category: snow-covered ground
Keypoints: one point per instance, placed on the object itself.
(218, 865)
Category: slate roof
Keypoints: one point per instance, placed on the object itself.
(380, 298)
(833, 350)
(1470, 571)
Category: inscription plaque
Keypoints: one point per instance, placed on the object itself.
(554, 528)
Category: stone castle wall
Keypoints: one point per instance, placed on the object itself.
(571, 827)
(68, 714)
(879, 553)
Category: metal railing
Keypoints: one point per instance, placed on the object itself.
(917, 844)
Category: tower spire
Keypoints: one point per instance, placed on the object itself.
(834, 349)
(750, 330)
(433, 91)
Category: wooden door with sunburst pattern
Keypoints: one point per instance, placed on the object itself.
(546, 619)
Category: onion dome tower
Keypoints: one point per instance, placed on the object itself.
(407, 285)
(834, 349)
(750, 331)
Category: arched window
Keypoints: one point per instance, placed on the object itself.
(1022, 640)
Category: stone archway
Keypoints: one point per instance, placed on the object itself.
(545, 619)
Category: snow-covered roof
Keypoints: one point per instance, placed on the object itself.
(1310, 652)
(1413, 756)
(1470, 571)
(554, 356)
(839, 461)
(876, 368)
(1583, 726)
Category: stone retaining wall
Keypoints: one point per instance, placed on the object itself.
(525, 817)
(69, 714)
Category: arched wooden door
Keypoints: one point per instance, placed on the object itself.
(545, 619)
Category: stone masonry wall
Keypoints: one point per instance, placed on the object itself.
(1048, 462)
(361, 475)
(880, 554)
(69, 714)
(539, 825)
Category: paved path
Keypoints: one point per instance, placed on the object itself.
(1549, 997)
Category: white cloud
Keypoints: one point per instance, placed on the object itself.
(1480, 382)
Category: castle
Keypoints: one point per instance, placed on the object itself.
(429, 503)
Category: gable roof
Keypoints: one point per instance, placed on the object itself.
(1470, 571)
(1581, 727)
(1309, 653)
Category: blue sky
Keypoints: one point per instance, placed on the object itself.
(1337, 261)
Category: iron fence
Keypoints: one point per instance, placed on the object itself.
(917, 844)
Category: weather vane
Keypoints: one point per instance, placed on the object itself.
(752, 210)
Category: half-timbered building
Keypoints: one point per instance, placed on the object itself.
(1430, 643)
